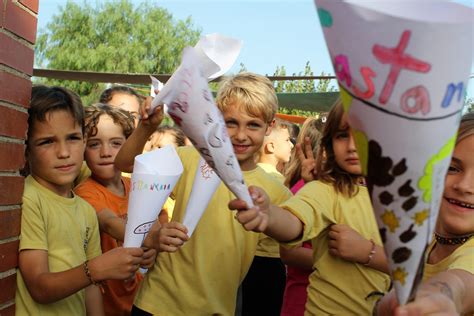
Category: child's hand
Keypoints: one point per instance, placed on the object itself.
(151, 121)
(149, 257)
(170, 237)
(117, 264)
(346, 243)
(306, 157)
(256, 218)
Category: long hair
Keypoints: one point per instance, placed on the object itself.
(327, 170)
(311, 129)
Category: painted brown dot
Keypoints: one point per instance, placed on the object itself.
(386, 198)
(408, 235)
(410, 203)
(401, 254)
(406, 189)
(399, 168)
(383, 234)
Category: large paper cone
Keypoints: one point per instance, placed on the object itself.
(191, 106)
(402, 68)
(154, 176)
(205, 184)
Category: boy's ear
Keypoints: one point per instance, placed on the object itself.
(268, 148)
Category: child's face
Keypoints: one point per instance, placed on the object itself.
(282, 144)
(456, 216)
(102, 148)
(56, 151)
(128, 103)
(246, 134)
(344, 149)
(159, 140)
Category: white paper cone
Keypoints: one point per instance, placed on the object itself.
(153, 178)
(402, 68)
(205, 184)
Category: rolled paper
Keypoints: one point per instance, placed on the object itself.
(192, 107)
(154, 176)
(402, 68)
(205, 184)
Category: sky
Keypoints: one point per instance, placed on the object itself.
(274, 32)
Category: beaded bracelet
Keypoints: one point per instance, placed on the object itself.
(371, 253)
(89, 276)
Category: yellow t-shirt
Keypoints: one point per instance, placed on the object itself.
(337, 286)
(202, 277)
(462, 258)
(268, 247)
(65, 227)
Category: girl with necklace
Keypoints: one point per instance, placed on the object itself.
(448, 280)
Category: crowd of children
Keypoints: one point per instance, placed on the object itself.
(317, 252)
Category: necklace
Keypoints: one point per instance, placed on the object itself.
(452, 240)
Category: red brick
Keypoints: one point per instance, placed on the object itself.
(8, 286)
(13, 123)
(8, 311)
(15, 89)
(30, 4)
(19, 21)
(16, 55)
(10, 224)
(15, 154)
(9, 255)
(11, 190)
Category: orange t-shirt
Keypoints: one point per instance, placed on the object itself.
(118, 295)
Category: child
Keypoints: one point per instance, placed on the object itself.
(276, 149)
(123, 97)
(107, 191)
(299, 260)
(202, 277)
(60, 262)
(345, 280)
(448, 280)
(165, 135)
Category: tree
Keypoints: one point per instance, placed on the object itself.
(113, 36)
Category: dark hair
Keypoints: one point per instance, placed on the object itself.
(109, 93)
(48, 99)
(178, 134)
(327, 170)
(119, 116)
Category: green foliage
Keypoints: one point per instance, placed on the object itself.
(468, 105)
(112, 36)
(297, 112)
(302, 86)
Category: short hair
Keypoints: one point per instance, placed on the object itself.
(251, 92)
(46, 99)
(281, 124)
(119, 116)
(180, 138)
(109, 93)
(466, 128)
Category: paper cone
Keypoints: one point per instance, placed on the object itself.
(154, 176)
(205, 184)
(402, 68)
(191, 106)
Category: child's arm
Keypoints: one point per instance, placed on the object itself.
(111, 224)
(134, 145)
(346, 243)
(299, 257)
(94, 304)
(274, 221)
(48, 287)
(446, 293)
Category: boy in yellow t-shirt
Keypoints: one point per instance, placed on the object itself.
(203, 275)
(60, 262)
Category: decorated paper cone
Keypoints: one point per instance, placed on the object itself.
(205, 184)
(154, 176)
(191, 106)
(402, 68)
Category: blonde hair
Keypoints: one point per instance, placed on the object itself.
(251, 92)
(119, 116)
(466, 128)
(327, 170)
(311, 129)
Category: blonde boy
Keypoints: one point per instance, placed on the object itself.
(202, 276)
(60, 261)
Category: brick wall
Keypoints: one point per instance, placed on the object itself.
(17, 36)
